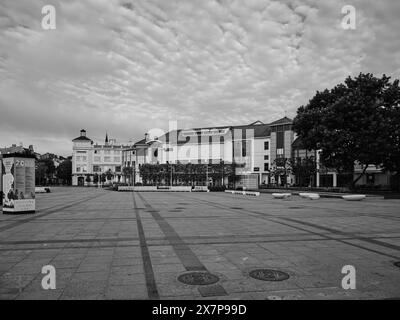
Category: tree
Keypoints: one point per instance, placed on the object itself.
(64, 171)
(44, 171)
(304, 169)
(350, 123)
(281, 167)
(109, 174)
(128, 172)
(40, 173)
(96, 178)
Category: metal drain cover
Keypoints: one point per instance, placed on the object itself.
(268, 275)
(397, 264)
(198, 278)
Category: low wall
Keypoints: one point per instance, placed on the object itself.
(200, 189)
(244, 193)
(155, 188)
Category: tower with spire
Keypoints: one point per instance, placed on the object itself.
(106, 140)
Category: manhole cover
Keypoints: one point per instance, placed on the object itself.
(397, 264)
(268, 275)
(198, 278)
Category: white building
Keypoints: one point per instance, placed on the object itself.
(90, 159)
(253, 147)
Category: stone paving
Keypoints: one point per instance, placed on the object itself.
(110, 245)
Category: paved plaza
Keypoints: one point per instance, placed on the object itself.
(124, 245)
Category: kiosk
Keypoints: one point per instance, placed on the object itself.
(18, 176)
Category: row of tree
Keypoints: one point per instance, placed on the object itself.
(46, 172)
(187, 174)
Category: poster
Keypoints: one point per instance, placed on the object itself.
(18, 184)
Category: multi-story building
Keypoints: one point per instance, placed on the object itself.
(90, 159)
(251, 147)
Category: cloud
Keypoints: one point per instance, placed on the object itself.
(128, 66)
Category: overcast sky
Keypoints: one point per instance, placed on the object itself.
(128, 66)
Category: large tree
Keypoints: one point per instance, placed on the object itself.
(352, 123)
(64, 171)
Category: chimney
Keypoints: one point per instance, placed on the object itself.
(30, 147)
(83, 133)
(146, 137)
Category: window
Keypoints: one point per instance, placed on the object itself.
(96, 169)
(118, 169)
(266, 157)
(266, 145)
(266, 166)
(84, 158)
(117, 159)
(280, 136)
(97, 159)
(244, 148)
(78, 169)
(107, 159)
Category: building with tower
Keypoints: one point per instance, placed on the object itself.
(92, 162)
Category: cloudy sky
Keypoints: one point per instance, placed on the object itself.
(128, 66)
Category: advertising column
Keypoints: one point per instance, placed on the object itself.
(18, 175)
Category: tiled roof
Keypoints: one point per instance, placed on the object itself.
(82, 138)
(284, 120)
(260, 130)
(143, 141)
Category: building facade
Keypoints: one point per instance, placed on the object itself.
(262, 154)
(94, 163)
(252, 148)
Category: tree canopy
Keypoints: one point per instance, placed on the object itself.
(64, 171)
(356, 121)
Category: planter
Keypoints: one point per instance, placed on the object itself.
(312, 196)
(354, 197)
(281, 195)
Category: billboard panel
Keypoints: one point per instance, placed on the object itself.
(18, 183)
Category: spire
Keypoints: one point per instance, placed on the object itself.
(106, 138)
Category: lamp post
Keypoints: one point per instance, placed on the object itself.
(170, 179)
(223, 172)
